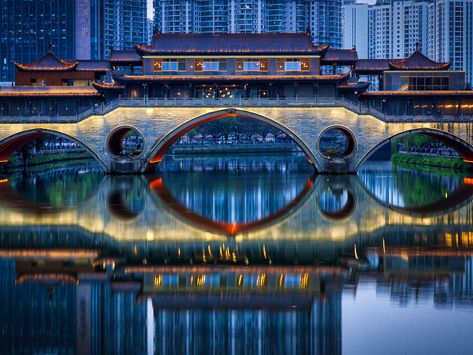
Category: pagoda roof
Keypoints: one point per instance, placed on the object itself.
(434, 93)
(229, 78)
(418, 61)
(232, 44)
(372, 66)
(47, 91)
(356, 86)
(340, 56)
(124, 56)
(48, 62)
(101, 85)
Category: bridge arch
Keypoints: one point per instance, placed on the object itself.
(14, 142)
(463, 148)
(159, 149)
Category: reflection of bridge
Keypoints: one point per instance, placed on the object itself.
(126, 257)
(192, 309)
(161, 126)
(136, 210)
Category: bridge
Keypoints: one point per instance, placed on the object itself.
(161, 123)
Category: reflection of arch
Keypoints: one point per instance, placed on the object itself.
(160, 147)
(217, 227)
(463, 148)
(119, 208)
(453, 201)
(18, 140)
(344, 212)
(17, 201)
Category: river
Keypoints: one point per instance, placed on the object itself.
(237, 255)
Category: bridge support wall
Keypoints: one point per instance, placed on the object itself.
(159, 124)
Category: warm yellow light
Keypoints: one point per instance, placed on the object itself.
(158, 280)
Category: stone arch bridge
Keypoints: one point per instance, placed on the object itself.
(161, 126)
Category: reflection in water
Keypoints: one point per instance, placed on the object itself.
(256, 262)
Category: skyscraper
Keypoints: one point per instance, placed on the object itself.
(103, 25)
(326, 22)
(451, 34)
(251, 16)
(443, 29)
(355, 31)
(82, 29)
(28, 27)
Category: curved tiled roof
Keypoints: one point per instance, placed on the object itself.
(229, 78)
(47, 91)
(232, 43)
(124, 56)
(48, 62)
(418, 61)
(435, 93)
(358, 86)
(371, 66)
(340, 56)
(93, 65)
(100, 85)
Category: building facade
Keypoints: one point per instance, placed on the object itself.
(443, 29)
(82, 29)
(28, 27)
(251, 16)
(104, 25)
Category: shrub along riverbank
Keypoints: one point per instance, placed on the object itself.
(45, 161)
(440, 162)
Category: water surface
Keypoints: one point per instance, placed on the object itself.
(234, 256)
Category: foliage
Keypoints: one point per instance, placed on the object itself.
(441, 162)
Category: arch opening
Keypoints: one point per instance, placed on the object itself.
(228, 130)
(420, 172)
(336, 142)
(423, 143)
(125, 142)
(40, 147)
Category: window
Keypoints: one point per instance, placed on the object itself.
(170, 66)
(292, 66)
(251, 66)
(210, 66)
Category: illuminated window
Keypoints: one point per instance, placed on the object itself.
(292, 66)
(251, 66)
(170, 66)
(210, 66)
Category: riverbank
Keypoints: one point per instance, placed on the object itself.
(41, 162)
(433, 162)
(236, 148)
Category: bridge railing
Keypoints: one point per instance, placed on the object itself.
(359, 108)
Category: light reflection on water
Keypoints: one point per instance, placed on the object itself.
(233, 257)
